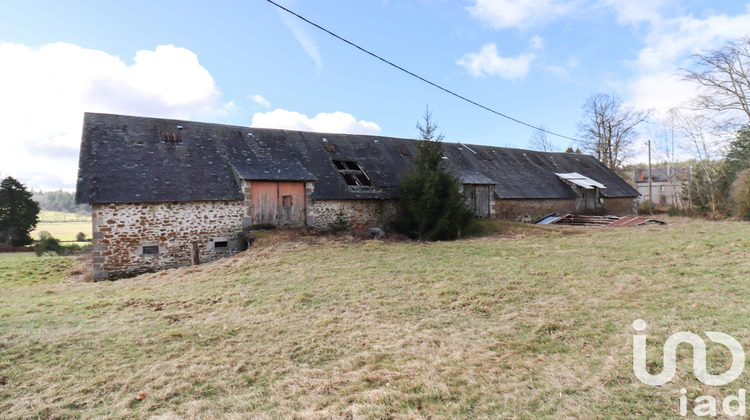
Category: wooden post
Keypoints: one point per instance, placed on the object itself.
(194, 253)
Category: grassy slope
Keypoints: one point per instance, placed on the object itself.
(530, 325)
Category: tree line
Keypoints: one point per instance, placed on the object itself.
(60, 200)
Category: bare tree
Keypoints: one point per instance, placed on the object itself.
(539, 141)
(667, 139)
(704, 139)
(724, 77)
(608, 128)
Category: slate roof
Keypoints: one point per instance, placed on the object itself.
(662, 174)
(130, 159)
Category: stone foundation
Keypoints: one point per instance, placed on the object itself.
(176, 233)
(362, 214)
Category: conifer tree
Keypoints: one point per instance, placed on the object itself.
(432, 206)
(19, 214)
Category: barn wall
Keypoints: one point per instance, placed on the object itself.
(362, 214)
(620, 206)
(121, 231)
(518, 209)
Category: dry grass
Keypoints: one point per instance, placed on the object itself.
(534, 322)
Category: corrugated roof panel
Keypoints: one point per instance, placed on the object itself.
(581, 181)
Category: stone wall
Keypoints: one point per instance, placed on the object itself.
(519, 209)
(122, 230)
(362, 214)
(620, 206)
(534, 208)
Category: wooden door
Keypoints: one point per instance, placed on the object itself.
(278, 203)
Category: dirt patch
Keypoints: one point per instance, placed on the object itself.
(83, 270)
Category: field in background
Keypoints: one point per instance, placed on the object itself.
(63, 226)
(534, 322)
(59, 216)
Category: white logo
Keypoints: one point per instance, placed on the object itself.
(699, 357)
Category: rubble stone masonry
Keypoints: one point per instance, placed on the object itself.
(362, 214)
(121, 231)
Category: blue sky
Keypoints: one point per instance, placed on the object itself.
(248, 63)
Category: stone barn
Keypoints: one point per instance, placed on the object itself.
(167, 193)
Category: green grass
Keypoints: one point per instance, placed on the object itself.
(529, 323)
(63, 226)
(59, 216)
(64, 231)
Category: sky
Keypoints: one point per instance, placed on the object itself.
(248, 63)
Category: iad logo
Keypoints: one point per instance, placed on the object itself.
(699, 357)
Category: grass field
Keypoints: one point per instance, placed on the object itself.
(63, 226)
(59, 216)
(535, 322)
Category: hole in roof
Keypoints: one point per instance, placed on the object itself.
(404, 151)
(352, 173)
(171, 137)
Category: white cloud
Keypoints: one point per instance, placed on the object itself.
(489, 62)
(669, 44)
(46, 90)
(632, 12)
(260, 100)
(336, 122)
(503, 14)
(305, 39)
(537, 42)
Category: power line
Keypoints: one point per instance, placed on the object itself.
(446, 90)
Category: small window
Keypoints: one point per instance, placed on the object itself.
(171, 137)
(286, 200)
(150, 249)
(352, 173)
(221, 244)
(262, 144)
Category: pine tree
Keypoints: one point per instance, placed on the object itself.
(19, 214)
(432, 207)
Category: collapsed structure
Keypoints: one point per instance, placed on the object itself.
(166, 193)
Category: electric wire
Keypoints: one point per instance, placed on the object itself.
(446, 90)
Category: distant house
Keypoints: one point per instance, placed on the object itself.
(167, 193)
(668, 185)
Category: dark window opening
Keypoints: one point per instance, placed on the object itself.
(151, 250)
(171, 137)
(221, 244)
(352, 173)
(286, 200)
(363, 180)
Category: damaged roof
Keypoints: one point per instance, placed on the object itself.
(138, 159)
